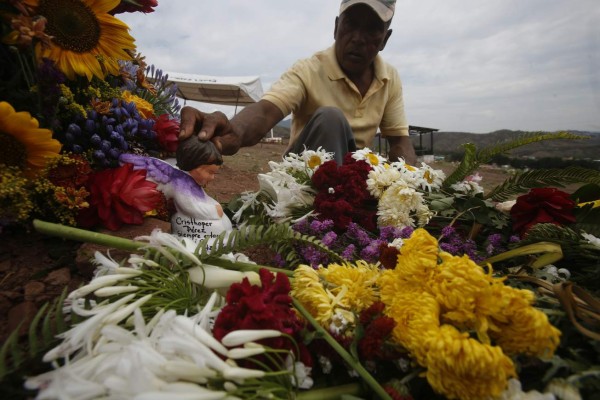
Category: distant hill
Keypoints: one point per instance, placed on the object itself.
(450, 142)
(445, 143)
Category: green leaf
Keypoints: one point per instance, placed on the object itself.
(523, 181)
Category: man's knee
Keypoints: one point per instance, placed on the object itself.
(331, 116)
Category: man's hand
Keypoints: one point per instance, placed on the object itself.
(214, 126)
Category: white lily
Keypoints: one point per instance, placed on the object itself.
(181, 396)
(182, 369)
(241, 374)
(239, 353)
(74, 338)
(158, 240)
(124, 312)
(114, 290)
(200, 334)
(213, 277)
(239, 337)
(97, 283)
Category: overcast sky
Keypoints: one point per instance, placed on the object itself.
(466, 65)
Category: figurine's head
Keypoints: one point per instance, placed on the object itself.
(200, 158)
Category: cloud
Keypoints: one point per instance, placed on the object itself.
(466, 65)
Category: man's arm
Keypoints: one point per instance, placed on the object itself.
(401, 146)
(246, 128)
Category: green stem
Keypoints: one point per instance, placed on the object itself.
(330, 393)
(365, 375)
(82, 235)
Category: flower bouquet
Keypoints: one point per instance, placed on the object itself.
(74, 97)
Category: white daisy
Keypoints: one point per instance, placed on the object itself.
(367, 155)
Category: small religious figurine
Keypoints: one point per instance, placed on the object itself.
(197, 214)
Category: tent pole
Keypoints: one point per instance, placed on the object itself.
(237, 101)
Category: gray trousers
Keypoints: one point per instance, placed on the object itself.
(328, 128)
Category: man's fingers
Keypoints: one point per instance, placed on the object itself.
(190, 118)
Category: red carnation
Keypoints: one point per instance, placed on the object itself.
(343, 196)
(119, 196)
(268, 306)
(167, 132)
(542, 206)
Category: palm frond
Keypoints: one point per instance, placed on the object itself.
(523, 181)
(14, 354)
(473, 159)
(278, 237)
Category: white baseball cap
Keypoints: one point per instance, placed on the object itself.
(383, 8)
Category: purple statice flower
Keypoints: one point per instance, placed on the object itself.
(329, 239)
(470, 249)
(389, 233)
(450, 248)
(348, 253)
(406, 232)
(514, 239)
(302, 226)
(452, 242)
(313, 256)
(358, 234)
(319, 228)
(448, 231)
(372, 252)
(494, 244)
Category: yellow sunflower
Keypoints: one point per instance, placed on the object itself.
(86, 40)
(23, 143)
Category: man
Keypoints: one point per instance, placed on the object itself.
(338, 98)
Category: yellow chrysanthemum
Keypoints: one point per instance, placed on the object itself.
(308, 290)
(357, 282)
(417, 317)
(418, 257)
(23, 143)
(463, 368)
(459, 285)
(86, 39)
(524, 329)
(144, 107)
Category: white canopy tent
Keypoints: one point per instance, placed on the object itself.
(224, 90)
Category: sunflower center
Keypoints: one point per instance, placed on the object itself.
(12, 152)
(72, 24)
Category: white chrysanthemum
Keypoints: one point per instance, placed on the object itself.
(381, 178)
(591, 239)
(289, 199)
(430, 178)
(423, 215)
(505, 206)
(411, 175)
(369, 156)
(467, 187)
(397, 205)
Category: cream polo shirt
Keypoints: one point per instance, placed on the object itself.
(319, 81)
